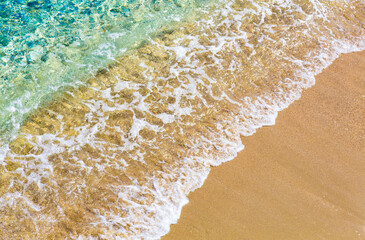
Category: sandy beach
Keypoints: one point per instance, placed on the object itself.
(302, 178)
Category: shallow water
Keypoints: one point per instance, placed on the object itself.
(47, 45)
(115, 155)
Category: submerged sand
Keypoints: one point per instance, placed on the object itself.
(302, 178)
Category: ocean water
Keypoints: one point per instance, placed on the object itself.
(48, 45)
(112, 111)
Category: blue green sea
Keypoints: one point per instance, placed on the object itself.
(48, 45)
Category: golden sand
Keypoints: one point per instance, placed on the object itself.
(302, 178)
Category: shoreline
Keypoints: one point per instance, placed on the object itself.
(298, 179)
(118, 156)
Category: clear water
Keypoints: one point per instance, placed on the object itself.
(47, 45)
(115, 154)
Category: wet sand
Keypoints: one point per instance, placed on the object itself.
(303, 178)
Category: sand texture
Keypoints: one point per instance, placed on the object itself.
(303, 178)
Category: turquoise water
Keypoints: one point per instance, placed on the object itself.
(46, 45)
